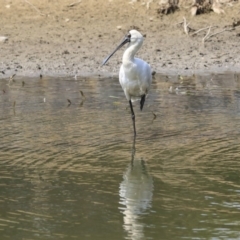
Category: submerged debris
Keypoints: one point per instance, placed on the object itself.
(12, 77)
(69, 102)
(154, 116)
(82, 94)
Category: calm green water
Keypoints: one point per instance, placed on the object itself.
(72, 171)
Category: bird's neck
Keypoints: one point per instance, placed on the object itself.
(130, 52)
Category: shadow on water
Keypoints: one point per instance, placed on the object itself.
(67, 170)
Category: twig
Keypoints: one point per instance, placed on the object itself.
(185, 25)
(11, 79)
(35, 8)
(154, 116)
(203, 40)
(82, 94)
(201, 29)
(148, 3)
(69, 102)
(74, 3)
(218, 33)
(179, 23)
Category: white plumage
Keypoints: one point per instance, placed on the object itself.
(135, 74)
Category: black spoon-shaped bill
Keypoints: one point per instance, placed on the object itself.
(125, 40)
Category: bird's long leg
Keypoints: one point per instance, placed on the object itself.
(142, 101)
(133, 150)
(133, 118)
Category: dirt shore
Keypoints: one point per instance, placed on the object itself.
(51, 37)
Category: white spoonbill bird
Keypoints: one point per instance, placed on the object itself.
(135, 74)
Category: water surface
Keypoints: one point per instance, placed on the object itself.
(69, 168)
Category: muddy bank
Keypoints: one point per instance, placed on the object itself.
(53, 38)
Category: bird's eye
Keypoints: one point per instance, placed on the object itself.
(129, 35)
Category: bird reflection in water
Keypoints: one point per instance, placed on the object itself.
(136, 191)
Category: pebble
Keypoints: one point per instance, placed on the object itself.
(3, 39)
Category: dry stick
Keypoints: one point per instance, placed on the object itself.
(203, 40)
(185, 25)
(74, 3)
(179, 23)
(218, 33)
(201, 29)
(148, 3)
(35, 8)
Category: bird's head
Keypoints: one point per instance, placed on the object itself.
(135, 36)
(132, 37)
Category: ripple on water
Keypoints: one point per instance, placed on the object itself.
(70, 170)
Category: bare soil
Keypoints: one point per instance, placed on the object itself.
(49, 37)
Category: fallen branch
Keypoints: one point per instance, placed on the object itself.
(218, 33)
(185, 25)
(203, 40)
(35, 8)
(201, 29)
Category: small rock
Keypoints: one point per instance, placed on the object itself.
(3, 39)
(66, 52)
(119, 27)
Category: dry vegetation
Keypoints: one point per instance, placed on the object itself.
(195, 6)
